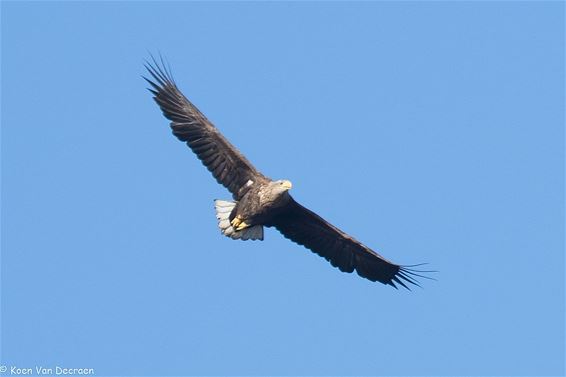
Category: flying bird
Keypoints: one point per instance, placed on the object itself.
(260, 202)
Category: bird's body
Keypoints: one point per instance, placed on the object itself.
(260, 201)
(258, 207)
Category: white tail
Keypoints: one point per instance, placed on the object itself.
(223, 210)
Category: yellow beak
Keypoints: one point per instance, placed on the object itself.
(287, 184)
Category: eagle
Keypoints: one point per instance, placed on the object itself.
(259, 201)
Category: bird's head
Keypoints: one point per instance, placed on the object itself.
(281, 186)
(287, 185)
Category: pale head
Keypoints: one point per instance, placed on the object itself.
(278, 188)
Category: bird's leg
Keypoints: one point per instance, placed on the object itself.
(236, 221)
(242, 225)
(238, 224)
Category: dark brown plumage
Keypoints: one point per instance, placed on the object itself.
(259, 201)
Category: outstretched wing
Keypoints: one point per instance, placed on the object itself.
(222, 159)
(306, 228)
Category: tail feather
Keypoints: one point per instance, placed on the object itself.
(223, 210)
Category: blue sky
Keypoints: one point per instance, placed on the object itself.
(431, 131)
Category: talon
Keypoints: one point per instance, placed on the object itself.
(236, 222)
(241, 226)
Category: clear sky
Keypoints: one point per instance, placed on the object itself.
(431, 131)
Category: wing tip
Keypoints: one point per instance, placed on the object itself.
(407, 276)
(160, 71)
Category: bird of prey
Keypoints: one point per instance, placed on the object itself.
(260, 202)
